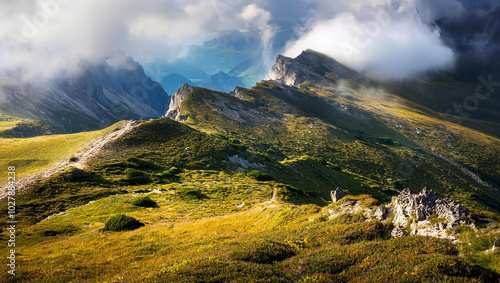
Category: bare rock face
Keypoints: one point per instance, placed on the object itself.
(310, 66)
(175, 110)
(337, 194)
(426, 215)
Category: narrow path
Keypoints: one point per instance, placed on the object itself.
(87, 152)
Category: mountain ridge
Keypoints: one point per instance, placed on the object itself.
(96, 97)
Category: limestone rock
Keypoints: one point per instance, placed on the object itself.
(337, 194)
(311, 66)
(175, 110)
(426, 215)
(381, 213)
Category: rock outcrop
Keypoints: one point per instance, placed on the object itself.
(310, 66)
(175, 110)
(337, 194)
(425, 215)
(422, 214)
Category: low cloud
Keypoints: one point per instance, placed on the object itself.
(46, 37)
(388, 39)
(387, 43)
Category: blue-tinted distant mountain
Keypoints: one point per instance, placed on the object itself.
(173, 82)
(250, 71)
(160, 70)
(225, 52)
(222, 82)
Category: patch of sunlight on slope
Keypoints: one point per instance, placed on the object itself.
(33, 154)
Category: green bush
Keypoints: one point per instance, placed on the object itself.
(191, 194)
(336, 167)
(259, 175)
(122, 222)
(134, 176)
(74, 174)
(171, 172)
(73, 159)
(234, 141)
(135, 162)
(385, 140)
(144, 202)
(265, 252)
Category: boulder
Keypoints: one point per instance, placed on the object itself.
(425, 214)
(337, 194)
(381, 212)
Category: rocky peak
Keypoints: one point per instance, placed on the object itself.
(175, 109)
(309, 66)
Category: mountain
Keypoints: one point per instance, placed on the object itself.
(318, 107)
(223, 53)
(160, 70)
(172, 82)
(318, 174)
(250, 70)
(95, 97)
(221, 82)
(311, 66)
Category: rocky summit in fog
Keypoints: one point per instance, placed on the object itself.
(310, 66)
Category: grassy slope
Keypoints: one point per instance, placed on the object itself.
(184, 242)
(33, 154)
(8, 122)
(209, 237)
(350, 138)
(199, 233)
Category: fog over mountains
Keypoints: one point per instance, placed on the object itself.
(222, 45)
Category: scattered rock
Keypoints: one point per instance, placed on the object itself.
(381, 212)
(337, 194)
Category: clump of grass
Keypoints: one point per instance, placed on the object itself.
(259, 175)
(264, 252)
(136, 177)
(144, 202)
(74, 174)
(171, 172)
(191, 194)
(73, 159)
(122, 222)
(385, 140)
(336, 167)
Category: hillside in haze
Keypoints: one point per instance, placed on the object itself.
(96, 96)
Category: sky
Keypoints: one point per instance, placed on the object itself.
(386, 39)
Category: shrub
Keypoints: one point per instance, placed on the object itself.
(265, 252)
(191, 194)
(122, 222)
(74, 174)
(385, 140)
(259, 175)
(73, 159)
(144, 202)
(134, 176)
(171, 172)
(336, 167)
(135, 162)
